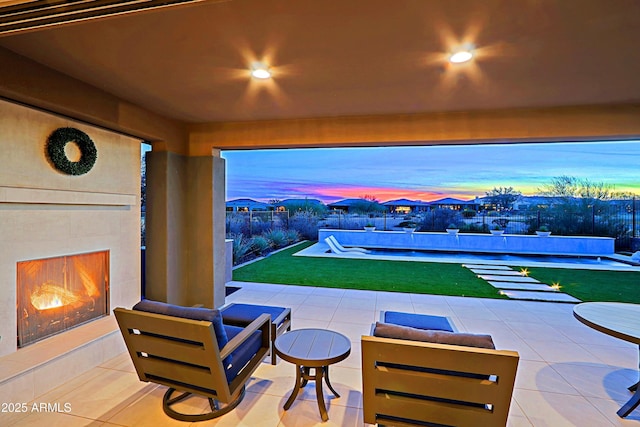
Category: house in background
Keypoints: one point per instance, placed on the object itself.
(247, 205)
(535, 202)
(405, 206)
(455, 204)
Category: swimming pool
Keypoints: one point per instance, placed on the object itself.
(507, 258)
(582, 262)
(589, 246)
(583, 252)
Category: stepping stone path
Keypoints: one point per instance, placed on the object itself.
(517, 286)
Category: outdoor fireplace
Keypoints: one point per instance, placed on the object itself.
(56, 294)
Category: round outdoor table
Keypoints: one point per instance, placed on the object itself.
(312, 348)
(620, 320)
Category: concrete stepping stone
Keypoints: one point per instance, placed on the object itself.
(540, 296)
(523, 286)
(487, 266)
(516, 286)
(498, 278)
(497, 272)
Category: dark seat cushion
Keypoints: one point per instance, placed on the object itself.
(193, 313)
(239, 314)
(386, 330)
(418, 321)
(244, 353)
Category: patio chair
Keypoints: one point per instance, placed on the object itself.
(435, 377)
(344, 251)
(342, 248)
(243, 314)
(191, 351)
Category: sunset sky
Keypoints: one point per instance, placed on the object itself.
(425, 173)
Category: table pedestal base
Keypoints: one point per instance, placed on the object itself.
(631, 404)
(620, 320)
(635, 400)
(303, 375)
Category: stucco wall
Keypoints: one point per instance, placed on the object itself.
(46, 213)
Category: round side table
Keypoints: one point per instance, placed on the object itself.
(312, 348)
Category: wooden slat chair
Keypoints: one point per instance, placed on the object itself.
(408, 383)
(186, 355)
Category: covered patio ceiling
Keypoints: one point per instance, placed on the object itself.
(338, 58)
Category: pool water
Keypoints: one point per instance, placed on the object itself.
(467, 257)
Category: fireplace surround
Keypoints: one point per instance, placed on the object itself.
(45, 214)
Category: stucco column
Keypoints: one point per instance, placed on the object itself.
(206, 230)
(185, 228)
(165, 264)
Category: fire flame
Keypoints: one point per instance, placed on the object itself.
(49, 295)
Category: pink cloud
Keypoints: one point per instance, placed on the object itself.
(381, 194)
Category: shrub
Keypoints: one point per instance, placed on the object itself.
(363, 206)
(468, 213)
(305, 224)
(407, 224)
(306, 206)
(476, 227)
(277, 238)
(438, 219)
(292, 236)
(241, 246)
(236, 223)
(500, 224)
(258, 226)
(260, 245)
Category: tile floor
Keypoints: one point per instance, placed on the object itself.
(569, 374)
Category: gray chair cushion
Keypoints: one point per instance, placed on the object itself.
(386, 330)
(243, 314)
(193, 313)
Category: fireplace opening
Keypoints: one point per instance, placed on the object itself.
(56, 294)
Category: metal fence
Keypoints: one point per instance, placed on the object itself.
(619, 219)
(256, 222)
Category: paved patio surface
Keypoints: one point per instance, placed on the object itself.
(569, 374)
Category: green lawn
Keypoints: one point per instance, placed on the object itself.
(397, 276)
(591, 285)
(427, 278)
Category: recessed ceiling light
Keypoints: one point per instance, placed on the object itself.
(260, 70)
(460, 57)
(462, 54)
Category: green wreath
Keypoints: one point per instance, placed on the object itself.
(55, 148)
